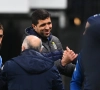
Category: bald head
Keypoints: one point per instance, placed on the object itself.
(32, 42)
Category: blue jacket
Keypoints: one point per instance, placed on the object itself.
(77, 77)
(31, 71)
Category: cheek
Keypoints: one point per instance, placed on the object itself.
(51, 26)
(39, 30)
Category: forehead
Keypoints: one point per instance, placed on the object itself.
(44, 21)
(1, 31)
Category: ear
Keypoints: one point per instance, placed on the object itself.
(23, 48)
(86, 26)
(33, 26)
(41, 48)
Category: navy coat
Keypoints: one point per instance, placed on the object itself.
(32, 71)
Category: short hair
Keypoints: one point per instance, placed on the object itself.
(29, 44)
(39, 14)
(1, 27)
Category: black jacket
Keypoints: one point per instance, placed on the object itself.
(32, 71)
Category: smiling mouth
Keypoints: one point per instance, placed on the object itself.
(47, 33)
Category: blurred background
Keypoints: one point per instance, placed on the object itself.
(68, 18)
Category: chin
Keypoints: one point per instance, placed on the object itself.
(47, 36)
(44, 36)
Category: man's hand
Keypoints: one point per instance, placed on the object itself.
(68, 56)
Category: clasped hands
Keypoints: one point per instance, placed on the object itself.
(68, 56)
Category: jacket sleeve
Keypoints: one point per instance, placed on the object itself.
(2, 82)
(57, 81)
(77, 77)
(65, 70)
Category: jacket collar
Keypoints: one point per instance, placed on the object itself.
(31, 31)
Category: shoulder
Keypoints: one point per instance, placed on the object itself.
(8, 64)
(56, 41)
(55, 38)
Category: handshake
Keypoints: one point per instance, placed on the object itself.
(68, 56)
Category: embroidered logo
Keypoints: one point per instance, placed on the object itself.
(54, 45)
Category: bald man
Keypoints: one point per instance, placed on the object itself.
(31, 70)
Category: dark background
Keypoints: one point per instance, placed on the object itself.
(71, 35)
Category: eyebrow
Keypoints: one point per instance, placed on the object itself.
(43, 24)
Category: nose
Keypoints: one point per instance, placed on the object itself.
(47, 27)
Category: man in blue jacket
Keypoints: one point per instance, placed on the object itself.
(79, 74)
(31, 70)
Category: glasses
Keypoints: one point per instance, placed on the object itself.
(1, 36)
